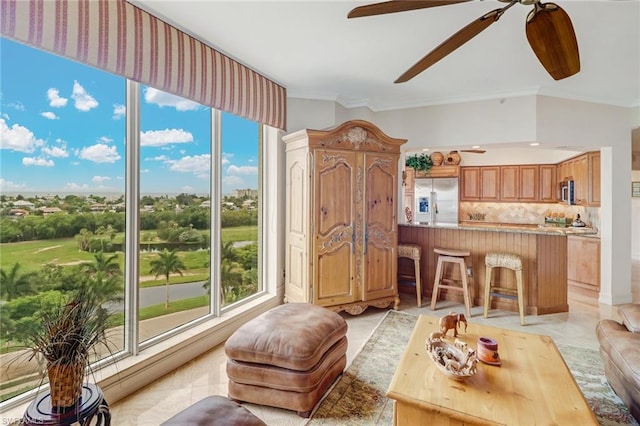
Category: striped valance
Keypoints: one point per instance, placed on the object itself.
(119, 37)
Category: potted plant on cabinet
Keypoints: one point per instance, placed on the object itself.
(68, 336)
(419, 162)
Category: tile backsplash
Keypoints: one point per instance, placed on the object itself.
(525, 213)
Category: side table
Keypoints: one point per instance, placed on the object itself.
(91, 407)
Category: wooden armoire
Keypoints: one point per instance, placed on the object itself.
(341, 224)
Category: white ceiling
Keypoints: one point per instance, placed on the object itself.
(312, 49)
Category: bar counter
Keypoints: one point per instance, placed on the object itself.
(543, 251)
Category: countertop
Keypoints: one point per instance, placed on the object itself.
(511, 227)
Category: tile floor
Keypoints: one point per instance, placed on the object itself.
(206, 375)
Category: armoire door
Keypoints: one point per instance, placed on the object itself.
(334, 246)
(380, 237)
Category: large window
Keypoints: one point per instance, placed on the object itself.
(195, 239)
(175, 206)
(240, 203)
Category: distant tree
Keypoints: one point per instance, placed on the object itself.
(185, 199)
(107, 265)
(105, 277)
(10, 232)
(84, 239)
(14, 284)
(230, 281)
(167, 263)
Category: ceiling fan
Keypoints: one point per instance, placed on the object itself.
(548, 28)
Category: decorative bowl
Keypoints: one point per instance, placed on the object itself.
(456, 361)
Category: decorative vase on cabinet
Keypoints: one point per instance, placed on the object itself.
(341, 217)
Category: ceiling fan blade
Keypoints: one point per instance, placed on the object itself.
(452, 43)
(553, 40)
(474, 151)
(394, 6)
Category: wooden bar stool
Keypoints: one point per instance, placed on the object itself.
(455, 257)
(509, 261)
(414, 252)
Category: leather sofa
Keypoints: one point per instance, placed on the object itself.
(620, 351)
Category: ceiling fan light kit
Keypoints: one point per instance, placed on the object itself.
(548, 29)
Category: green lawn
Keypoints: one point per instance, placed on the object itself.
(33, 254)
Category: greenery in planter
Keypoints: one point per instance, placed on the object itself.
(70, 332)
(420, 162)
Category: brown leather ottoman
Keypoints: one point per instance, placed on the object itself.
(215, 410)
(287, 357)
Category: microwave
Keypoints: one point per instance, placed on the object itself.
(567, 192)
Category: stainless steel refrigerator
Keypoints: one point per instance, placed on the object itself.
(436, 200)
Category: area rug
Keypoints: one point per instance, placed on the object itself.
(358, 397)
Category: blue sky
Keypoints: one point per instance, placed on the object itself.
(62, 130)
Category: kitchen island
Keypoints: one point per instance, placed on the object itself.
(543, 251)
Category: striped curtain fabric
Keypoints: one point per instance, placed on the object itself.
(121, 38)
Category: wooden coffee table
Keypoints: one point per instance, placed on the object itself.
(533, 386)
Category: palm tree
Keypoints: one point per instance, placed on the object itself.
(167, 263)
(14, 284)
(230, 281)
(107, 265)
(106, 277)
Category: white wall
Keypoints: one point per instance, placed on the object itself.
(578, 125)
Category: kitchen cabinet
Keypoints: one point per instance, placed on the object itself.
(519, 183)
(490, 183)
(469, 183)
(529, 185)
(583, 265)
(594, 179)
(580, 176)
(509, 183)
(340, 223)
(548, 188)
(585, 172)
(480, 184)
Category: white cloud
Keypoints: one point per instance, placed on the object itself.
(55, 100)
(119, 111)
(99, 153)
(242, 170)
(233, 182)
(18, 138)
(56, 151)
(162, 99)
(7, 185)
(16, 105)
(157, 158)
(165, 137)
(5, 116)
(100, 179)
(105, 139)
(50, 115)
(198, 165)
(226, 158)
(187, 189)
(72, 186)
(83, 100)
(37, 161)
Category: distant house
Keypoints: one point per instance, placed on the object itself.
(18, 213)
(22, 204)
(206, 204)
(46, 211)
(98, 207)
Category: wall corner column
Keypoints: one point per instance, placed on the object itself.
(615, 212)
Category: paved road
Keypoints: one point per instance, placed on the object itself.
(156, 295)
